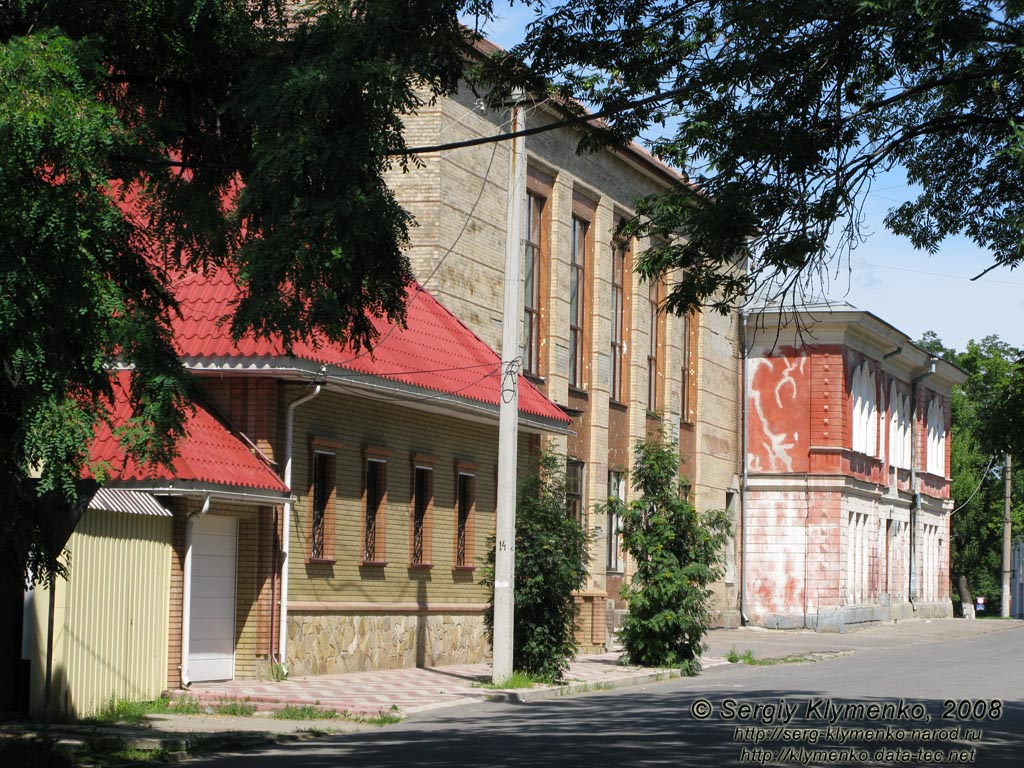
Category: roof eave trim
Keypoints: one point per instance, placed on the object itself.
(371, 385)
(198, 488)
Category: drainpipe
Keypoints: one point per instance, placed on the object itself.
(273, 593)
(186, 594)
(289, 434)
(915, 503)
(744, 352)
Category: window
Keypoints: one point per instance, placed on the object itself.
(685, 412)
(865, 411)
(899, 428)
(421, 531)
(928, 589)
(531, 284)
(896, 535)
(577, 283)
(857, 558)
(653, 345)
(464, 519)
(618, 312)
(574, 490)
(935, 449)
(616, 488)
(375, 496)
(321, 544)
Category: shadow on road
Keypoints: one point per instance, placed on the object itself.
(638, 730)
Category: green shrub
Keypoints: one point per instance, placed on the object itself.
(677, 554)
(551, 553)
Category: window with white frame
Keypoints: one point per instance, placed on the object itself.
(865, 411)
(935, 450)
(899, 428)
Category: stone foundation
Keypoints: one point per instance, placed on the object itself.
(844, 618)
(333, 643)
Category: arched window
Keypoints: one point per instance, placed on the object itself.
(899, 428)
(865, 411)
(936, 438)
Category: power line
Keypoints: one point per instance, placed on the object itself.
(983, 476)
(935, 274)
(570, 121)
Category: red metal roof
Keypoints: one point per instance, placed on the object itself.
(435, 351)
(210, 454)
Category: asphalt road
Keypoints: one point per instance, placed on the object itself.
(959, 702)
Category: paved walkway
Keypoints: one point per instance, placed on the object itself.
(416, 690)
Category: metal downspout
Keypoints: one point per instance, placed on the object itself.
(744, 353)
(915, 502)
(186, 595)
(289, 434)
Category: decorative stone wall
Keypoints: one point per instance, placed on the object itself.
(334, 643)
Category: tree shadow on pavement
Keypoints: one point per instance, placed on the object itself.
(636, 729)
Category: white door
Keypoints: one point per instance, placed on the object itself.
(211, 652)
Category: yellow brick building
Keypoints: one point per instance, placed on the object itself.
(591, 338)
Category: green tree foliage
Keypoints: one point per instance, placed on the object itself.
(783, 112)
(677, 553)
(551, 555)
(979, 436)
(142, 137)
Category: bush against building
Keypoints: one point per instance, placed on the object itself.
(677, 554)
(551, 554)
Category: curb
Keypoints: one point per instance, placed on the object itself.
(528, 695)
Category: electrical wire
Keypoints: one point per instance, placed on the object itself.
(420, 288)
(983, 476)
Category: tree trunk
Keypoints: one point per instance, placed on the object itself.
(966, 598)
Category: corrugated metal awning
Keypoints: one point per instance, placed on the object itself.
(130, 502)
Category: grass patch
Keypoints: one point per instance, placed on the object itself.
(795, 659)
(735, 657)
(277, 672)
(134, 712)
(306, 712)
(384, 718)
(517, 680)
(133, 755)
(747, 657)
(125, 711)
(235, 708)
(187, 705)
(314, 712)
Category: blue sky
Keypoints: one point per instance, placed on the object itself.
(910, 289)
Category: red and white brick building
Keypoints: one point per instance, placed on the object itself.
(847, 471)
